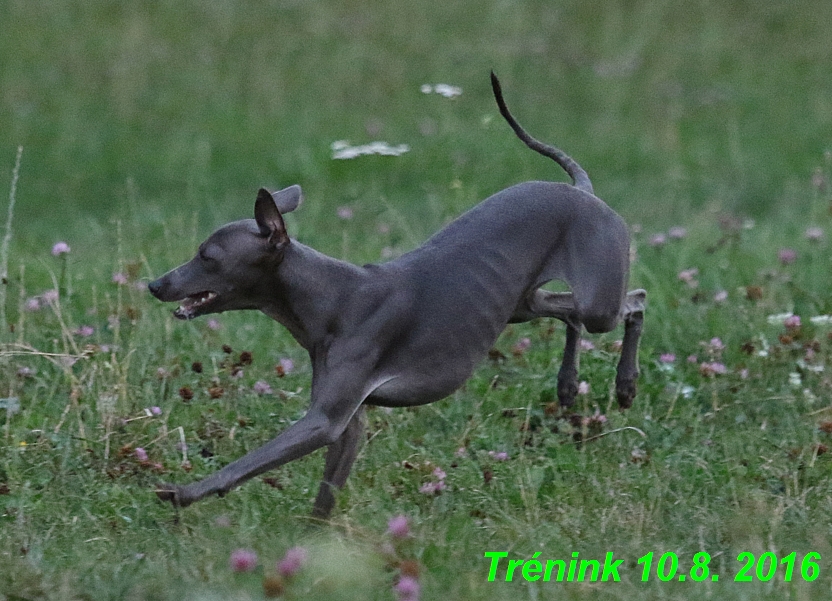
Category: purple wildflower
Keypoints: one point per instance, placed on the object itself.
(287, 364)
(677, 233)
(398, 527)
(688, 276)
(787, 256)
(716, 345)
(243, 560)
(156, 410)
(667, 358)
(60, 248)
(292, 562)
(792, 322)
(583, 387)
(262, 387)
(119, 278)
(521, 346)
(407, 589)
(432, 488)
(712, 369)
(586, 345)
(598, 418)
(141, 454)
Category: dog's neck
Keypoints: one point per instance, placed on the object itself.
(307, 292)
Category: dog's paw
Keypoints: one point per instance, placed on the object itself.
(625, 392)
(567, 391)
(173, 494)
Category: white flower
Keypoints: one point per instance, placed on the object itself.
(443, 89)
(778, 318)
(341, 149)
(448, 91)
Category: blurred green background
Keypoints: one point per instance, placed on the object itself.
(144, 110)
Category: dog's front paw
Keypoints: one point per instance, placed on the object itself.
(174, 494)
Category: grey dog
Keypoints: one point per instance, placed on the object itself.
(411, 331)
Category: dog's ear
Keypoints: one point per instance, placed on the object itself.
(269, 220)
(288, 199)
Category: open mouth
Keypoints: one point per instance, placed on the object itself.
(192, 305)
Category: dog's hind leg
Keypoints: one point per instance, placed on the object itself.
(568, 374)
(627, 372)
(559, 305)
(340, 456)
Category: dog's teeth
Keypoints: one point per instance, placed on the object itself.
(191, 303)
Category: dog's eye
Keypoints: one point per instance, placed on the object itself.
(205, 256)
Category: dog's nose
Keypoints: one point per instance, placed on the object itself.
(155, 287)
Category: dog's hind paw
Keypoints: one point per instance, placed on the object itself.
(567, 387)
(625, 392)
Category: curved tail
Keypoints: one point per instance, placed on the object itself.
(579, 177)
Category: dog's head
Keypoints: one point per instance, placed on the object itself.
(233, 263)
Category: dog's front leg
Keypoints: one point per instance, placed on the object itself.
(334, 403)
(311, 432)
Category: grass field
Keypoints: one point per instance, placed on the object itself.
(143, 126)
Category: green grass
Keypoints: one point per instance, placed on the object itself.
(146, 126)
